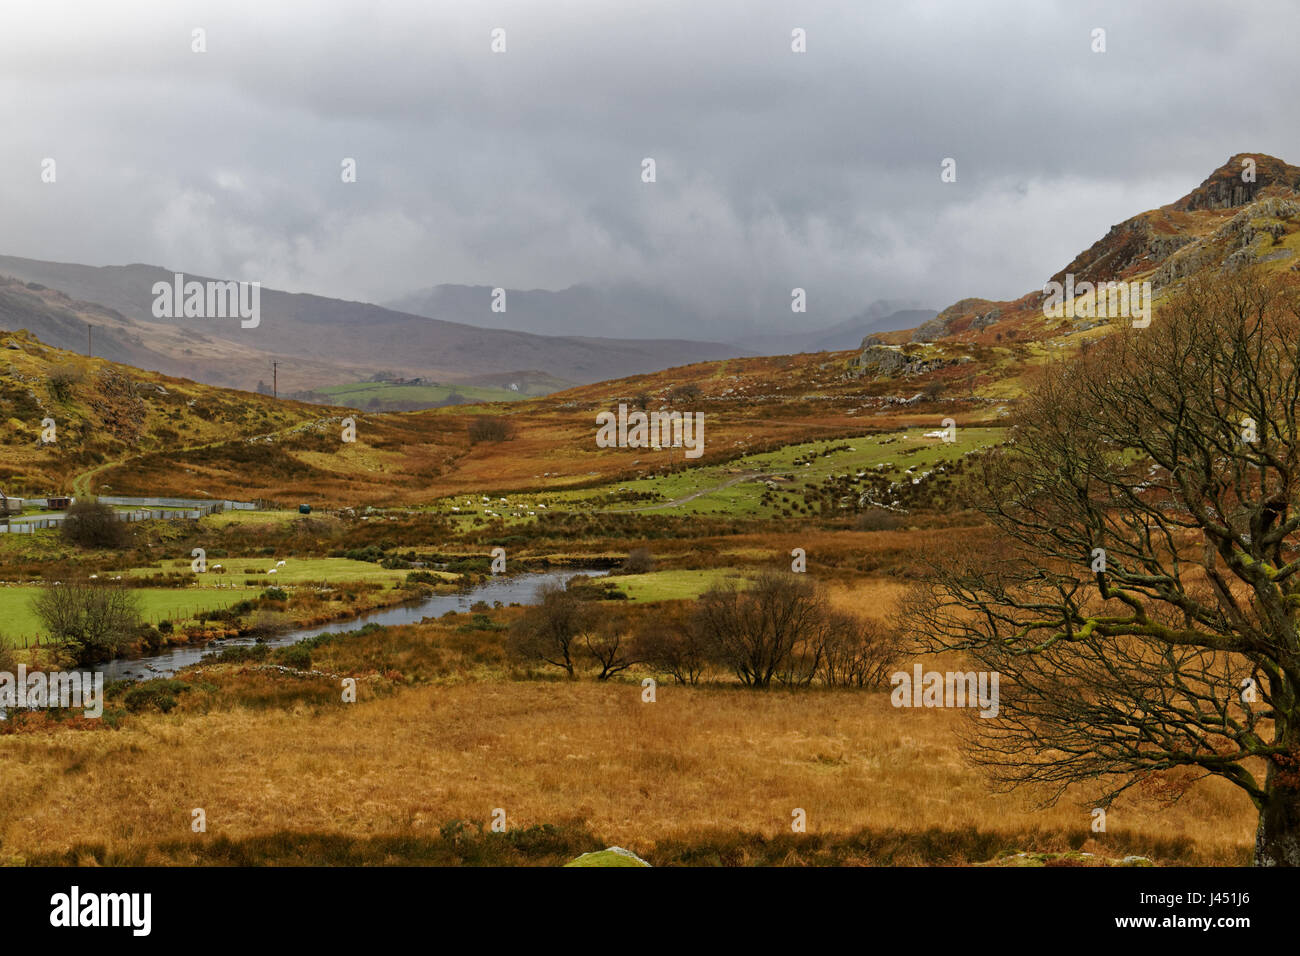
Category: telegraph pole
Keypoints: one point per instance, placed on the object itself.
(275, 384)
(90, 340)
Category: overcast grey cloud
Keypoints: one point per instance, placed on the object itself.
(522, 169)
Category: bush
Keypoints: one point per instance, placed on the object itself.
(154, 694)
(90, 524)
(688, 392)
(668, 642)
(275, 594)
(295, 656)
(488, 428)
(638, 561)
(62, 380)
(878, 519)
(858, 653)
(151, 639)
(242, 654)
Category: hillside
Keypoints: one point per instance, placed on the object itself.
(318, 340)
(1223, 221)
(104, 411)
(970, 363)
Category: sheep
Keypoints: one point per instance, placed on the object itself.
(279, 564)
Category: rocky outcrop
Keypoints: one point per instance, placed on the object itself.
(1233, 243)
(1225, 188)
(934, 329)
(883, 361)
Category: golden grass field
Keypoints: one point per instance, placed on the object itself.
(635, 773)
(464, 740)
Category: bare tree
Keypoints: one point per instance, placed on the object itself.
(91, 621)
(1143, 615)
(93, 525)
(669, 641)
(763, 633)
(549, 630)
(489, 428)
(857, 652)
(608, 643)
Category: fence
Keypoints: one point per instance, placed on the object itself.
(168, 509)
(206, 505)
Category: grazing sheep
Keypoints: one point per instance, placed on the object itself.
(279, 564)
(272, 571)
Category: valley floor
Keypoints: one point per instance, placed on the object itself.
(710, 774)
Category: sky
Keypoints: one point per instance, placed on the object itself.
(523, 169)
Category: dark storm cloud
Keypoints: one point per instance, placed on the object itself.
(775, 169)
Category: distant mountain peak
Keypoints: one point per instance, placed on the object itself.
(1240, 181)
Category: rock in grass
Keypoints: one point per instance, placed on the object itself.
(611, 856)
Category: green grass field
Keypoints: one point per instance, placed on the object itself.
(888, 454)
(296, 571)
(224, 519)
(361, 394)
(172, 604)
(674, 585)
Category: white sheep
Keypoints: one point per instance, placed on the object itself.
(279, 564)
(272, 571)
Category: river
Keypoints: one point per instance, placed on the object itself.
(516, 589)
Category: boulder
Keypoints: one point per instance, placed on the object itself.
(610, 856)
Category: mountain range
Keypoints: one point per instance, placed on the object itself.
(447, 333)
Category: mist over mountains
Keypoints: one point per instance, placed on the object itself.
(627, 309)
(577, 335)
(317, 340)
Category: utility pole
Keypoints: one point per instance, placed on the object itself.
(90, 340)
(275, 384)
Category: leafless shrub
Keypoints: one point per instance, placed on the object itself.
(668, 641)
(488, 428)
(90, 621)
